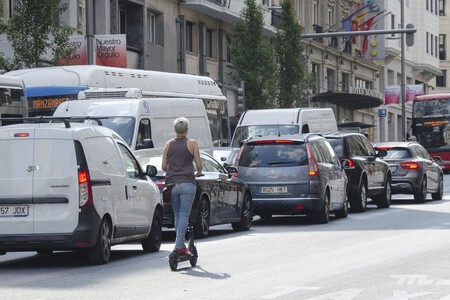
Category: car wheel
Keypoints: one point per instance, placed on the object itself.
(201, 227)
(421, 195)
(440, 192)
(153, 241)
(101, 252)
(246, 215)
(359, 204)
(384, 200)
(323, 215)
(342, 213)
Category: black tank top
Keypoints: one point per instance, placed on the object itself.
(180, 168)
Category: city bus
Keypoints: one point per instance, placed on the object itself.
(151, 83)
(13, 103)
(431, 125)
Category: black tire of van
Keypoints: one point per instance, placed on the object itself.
(101, 252)
(246, 215)
(153, 241)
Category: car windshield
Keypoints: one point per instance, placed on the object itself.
(243, 132)
(273, 155)
(122, 125)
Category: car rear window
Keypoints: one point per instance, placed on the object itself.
(398, 153)
(338, 146)
(273, 155)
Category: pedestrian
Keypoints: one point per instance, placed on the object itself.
(178, 155)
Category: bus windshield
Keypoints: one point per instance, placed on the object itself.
(431, 108)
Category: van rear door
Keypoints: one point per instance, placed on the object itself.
(55, 182)
(16, 177)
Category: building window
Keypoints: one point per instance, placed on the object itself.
(189, 37)
(431, 44)
(442, 47)
(209, 43)
(345, 82)
(299, 9)
(81, 17)
(315, 70)
(315, 12)
(441, 81)
(151, 25)
(436, 46)
(392, 23)
(122, 20)
(442, 7)
(427, 42)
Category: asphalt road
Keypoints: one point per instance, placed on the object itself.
(400, 253)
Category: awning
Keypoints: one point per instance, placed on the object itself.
(348, 100)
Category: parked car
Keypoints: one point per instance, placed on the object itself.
(224, 155)
(368, 175)
(293, 176)
(68, 186)
(221, 198)
(414, 171)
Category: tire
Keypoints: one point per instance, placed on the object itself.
(342, 213)
(101, 252)
(153, 241)
(440, 192)
(173, 261)
(246, 215)
(359, 204)
(201, 227)
(323, 215)
(384, 200)
(421, 195)
(193, 260)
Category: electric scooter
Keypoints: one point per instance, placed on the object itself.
(175, 258)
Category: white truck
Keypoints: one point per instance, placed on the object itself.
(283, 121)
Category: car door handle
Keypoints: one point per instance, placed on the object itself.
(134, 187)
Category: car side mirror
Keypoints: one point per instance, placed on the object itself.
(151, 171)
(437, 158)
(382, 153)
(345, 163)
(232, 171)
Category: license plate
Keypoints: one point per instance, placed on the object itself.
(273, 189)
(13, 211)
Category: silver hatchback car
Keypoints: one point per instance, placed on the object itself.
(294, 175)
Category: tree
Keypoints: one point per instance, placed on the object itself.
(293, 83)
(36, 33)
(3, 62)
(253, 58)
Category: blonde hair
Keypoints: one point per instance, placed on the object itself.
(181, 125)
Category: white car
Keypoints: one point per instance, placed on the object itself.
(71, 186)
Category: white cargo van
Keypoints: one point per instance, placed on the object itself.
(283, 121)
(143, 123)
(71, 186)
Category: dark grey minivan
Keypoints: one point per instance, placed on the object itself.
(294, 175)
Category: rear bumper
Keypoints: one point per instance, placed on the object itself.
(405, 186)
(84, 236)
(287, 206)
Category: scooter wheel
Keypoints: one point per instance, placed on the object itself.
(193, 260)
(173, 262)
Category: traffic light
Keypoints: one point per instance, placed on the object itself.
(240, 99)
(409, 36)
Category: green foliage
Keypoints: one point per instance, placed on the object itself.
(294, 81)
(253, 58)
(36, 33)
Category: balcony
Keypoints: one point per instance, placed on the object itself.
(227, 11)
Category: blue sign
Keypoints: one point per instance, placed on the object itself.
(382, 112)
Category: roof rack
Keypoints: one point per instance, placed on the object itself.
(48, 119)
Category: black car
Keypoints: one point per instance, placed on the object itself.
(290, 175)
(221, 198)
(413, 169)
(368, 175)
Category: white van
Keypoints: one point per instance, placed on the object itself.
(71, 186)
(283, 121)
(143, 123)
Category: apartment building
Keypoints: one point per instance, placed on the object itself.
(352, 73)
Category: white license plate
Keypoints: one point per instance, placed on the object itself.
(273, 189)
(13, 211)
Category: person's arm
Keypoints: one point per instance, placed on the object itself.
(197, 159)
(164, 163)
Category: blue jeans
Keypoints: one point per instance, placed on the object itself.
(183, 195)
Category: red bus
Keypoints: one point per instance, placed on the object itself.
(431, 125)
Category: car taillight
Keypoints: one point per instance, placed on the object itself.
(313, 167)
(410, 165)
(84, 188)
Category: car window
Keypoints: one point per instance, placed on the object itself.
(355, 146)
(210, 165)
(421, 152)
(332, 153)
(325, 151)
(130, 162)
(368, 148)
(338, 146)
(144, 131)
(398, 153)
(273, 155)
